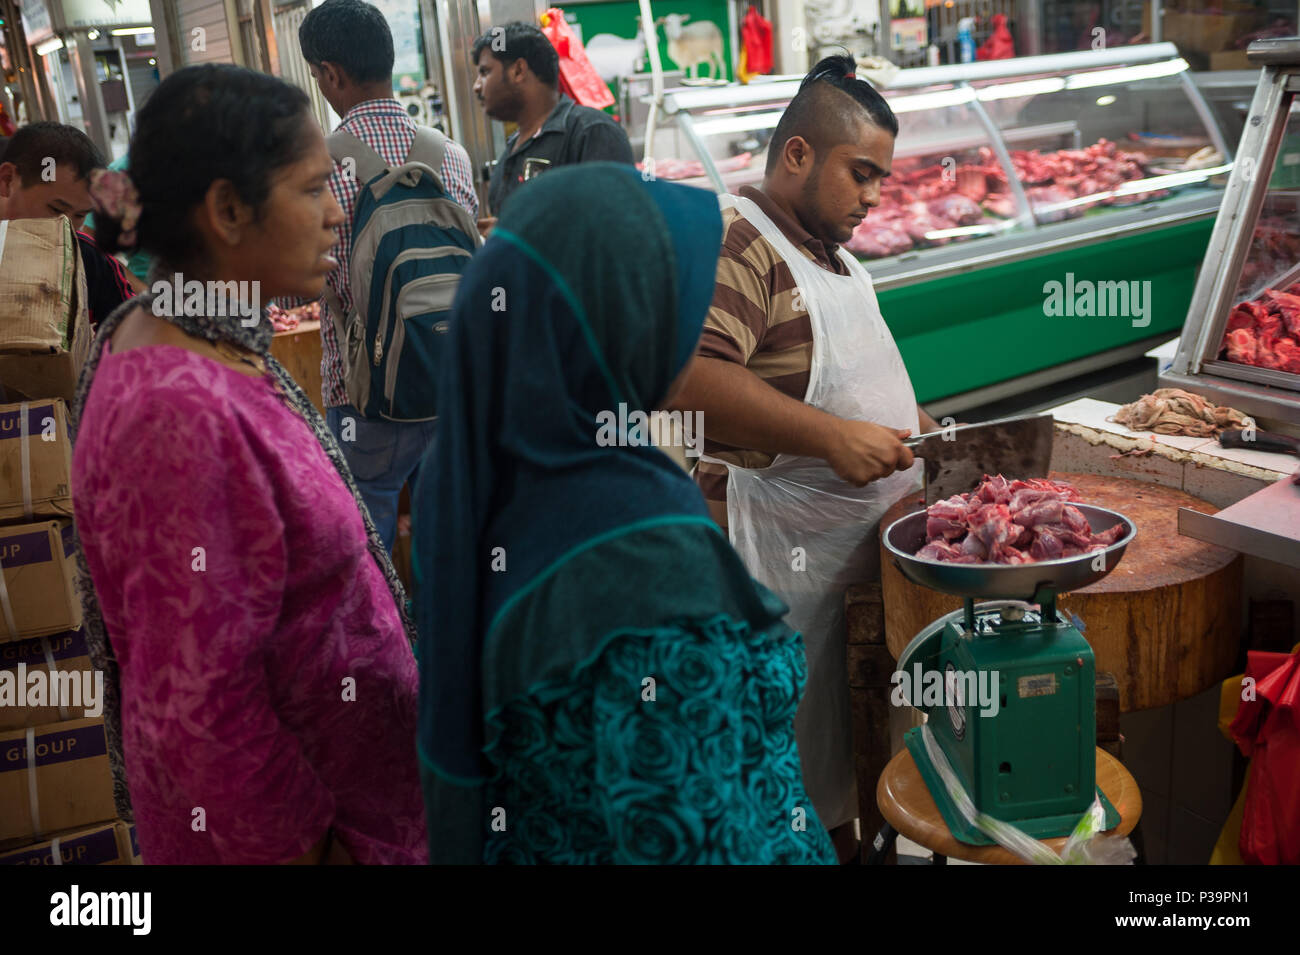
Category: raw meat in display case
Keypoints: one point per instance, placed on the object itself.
(924, 200)
(1266, 332)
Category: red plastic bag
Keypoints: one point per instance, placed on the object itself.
(999, 45)
(578, 78)
(755, 44)
(1267, 728)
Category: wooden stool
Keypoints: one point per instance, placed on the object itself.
(909, 810)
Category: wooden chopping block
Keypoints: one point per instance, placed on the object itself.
(299, 352)
(1166, 621)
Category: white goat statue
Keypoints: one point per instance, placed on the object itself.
(614, 56)
(692, 46)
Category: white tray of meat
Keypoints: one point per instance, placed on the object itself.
(1012, 522)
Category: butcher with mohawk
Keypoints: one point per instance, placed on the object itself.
(806, 399)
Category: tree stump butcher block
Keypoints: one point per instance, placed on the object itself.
(1166, 621)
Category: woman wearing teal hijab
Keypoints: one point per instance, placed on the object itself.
(601, 680)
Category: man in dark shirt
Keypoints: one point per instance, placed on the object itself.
(518, 73)
(45, 173)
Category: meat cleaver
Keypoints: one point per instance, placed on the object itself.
(957, 458)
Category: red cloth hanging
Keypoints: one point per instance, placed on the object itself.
(1267, 729)
(756, 44)
(578, 78)
(999, 45)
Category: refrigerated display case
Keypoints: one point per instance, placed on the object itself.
(1096, 166)
(1241, 341)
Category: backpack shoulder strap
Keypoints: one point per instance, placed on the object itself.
(367, 163)
(429, 147)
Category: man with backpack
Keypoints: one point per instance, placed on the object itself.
(387, 304)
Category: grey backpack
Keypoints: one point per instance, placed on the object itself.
(410, 243)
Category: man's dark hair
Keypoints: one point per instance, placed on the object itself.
(521, 41)
(826, 110)
(351, 34)
(34, 143)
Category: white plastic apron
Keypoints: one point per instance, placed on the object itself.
(805, 533)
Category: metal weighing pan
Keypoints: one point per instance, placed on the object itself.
(1005, 581)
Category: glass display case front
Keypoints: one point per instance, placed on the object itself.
(1263, 326)
(1241, 340)
(1095, 140)
(988, 149)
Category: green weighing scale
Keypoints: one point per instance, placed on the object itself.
(1016, 715)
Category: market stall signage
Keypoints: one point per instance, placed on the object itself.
(83, 14)
(36, 21)
(403, 18)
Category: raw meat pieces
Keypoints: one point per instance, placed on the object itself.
(1174, 411)
(1275, 246)
(1011, 522)
(286, 320)
(878, 241)
(920, 200)
(1001, 204)
(1078, 174)
(1266, 332)
(1048, 203)
(671, 169)
(957, 208)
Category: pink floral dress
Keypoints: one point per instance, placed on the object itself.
(268, 690)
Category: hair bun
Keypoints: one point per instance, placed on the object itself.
(117, 210)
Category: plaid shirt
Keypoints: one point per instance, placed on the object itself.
(385, 127)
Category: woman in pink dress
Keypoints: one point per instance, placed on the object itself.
(261, 685)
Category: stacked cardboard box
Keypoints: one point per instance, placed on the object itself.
(44, 324)
(112, 843)
(53, 778)
(56, 789)
(1207, 30)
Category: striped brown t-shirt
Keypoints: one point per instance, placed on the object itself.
(753, 321)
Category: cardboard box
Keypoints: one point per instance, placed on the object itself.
(1231, 60)
(64, 652)
(50, 371)
(39, 569)
(66, 766)
(42, 285)
(132, 845)
(35, 470)
(108, 844)
(1205, 32)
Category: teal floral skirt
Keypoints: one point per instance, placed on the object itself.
(671, 747)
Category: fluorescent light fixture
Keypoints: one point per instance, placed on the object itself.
(960, 231)
(47, 47)
(738, 124)
(1125, 74)
(939, 100)
(1052, 84)
(1137, 186)
(1171, 179)
(132, 31)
